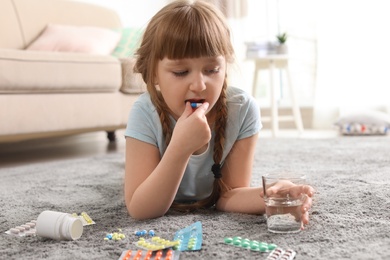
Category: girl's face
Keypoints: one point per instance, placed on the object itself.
(190, 80)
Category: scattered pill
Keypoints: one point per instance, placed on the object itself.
(31, 224)
(21, 229)
(14, 231)
(26, 227)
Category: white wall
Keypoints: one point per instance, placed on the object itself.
(133, 13)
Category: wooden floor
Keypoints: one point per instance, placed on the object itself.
(84, 145)
(51, 149)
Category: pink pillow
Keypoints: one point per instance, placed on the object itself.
(67, 38)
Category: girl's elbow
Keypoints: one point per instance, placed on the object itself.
(140, 214)
(220, 204)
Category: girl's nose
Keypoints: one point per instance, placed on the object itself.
(198, 83)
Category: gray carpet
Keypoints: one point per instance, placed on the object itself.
(350, 218)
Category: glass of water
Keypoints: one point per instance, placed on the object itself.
(282, 204)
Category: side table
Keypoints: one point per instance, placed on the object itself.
(272, 62)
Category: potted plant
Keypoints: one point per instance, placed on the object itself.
(281, 48)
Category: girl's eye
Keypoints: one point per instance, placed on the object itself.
(213, 71)
(180, 73)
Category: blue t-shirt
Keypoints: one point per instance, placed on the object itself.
(243, 121)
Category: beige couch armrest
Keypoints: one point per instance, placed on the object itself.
(132, 83)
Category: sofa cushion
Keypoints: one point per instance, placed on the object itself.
(129, 42)
(132, 83)
(368, 122)
(34, 16)
(55, 72)
(68, 38)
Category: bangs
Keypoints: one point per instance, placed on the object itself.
(190, 33)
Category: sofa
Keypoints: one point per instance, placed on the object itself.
(48, 92)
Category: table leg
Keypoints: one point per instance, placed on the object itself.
(274, 105)
(255, 77)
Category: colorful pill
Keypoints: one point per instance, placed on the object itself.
(263, 248)
(228, 240)
(245, 244)
(196, 105)
(271, 246)
(128, 253)
(236, 242)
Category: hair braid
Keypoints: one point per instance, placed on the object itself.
(162, 111)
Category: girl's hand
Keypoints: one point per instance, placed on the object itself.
(192, 130)
(286, 187)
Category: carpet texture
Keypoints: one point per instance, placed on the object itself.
(350, 218)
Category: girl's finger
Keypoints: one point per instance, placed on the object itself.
(301, 189)
(305, 219)
(306, 204)
(202, 109)
(187, 111)
(281, 187)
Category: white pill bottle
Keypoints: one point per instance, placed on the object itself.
(58, 226)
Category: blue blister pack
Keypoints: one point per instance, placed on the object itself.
(190, 237)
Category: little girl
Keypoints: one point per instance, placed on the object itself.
(190, 140)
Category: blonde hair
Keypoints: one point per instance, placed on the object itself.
(187, 29)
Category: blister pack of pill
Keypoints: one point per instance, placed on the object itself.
(190, 237)
(168, 254)
(85, 218)
(253, 245)
(156, 243)
(27, 229)
(281, 254)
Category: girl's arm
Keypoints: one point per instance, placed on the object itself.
(151, 182)
(237, 173)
